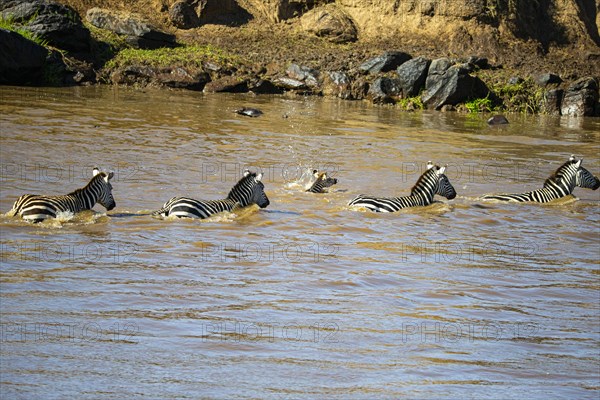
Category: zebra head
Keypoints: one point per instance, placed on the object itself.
(444, 187)
(432, 182)
(101, 185)
(572, 174)
(585, 179)
(249, 190)
(322, 180)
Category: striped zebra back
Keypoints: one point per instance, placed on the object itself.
(433, 181)
(248, 190)
(322, 182)
(36, 208)
(560, 184)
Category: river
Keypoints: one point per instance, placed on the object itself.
(305, 298)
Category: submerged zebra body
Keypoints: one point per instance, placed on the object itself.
(249, 190)
(431, 182)
(562, 183)
(36, 208)
(322, 182)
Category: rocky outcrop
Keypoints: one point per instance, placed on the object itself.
(552, 101)
(581, 98)
(331, 23)
(138, 33)
(55, 23)
(183, 15)
(450, 84)
(21, 61)
(160, 77)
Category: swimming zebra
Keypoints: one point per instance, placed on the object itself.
(36, 208)
(322, 182)
(249, 190)
(431, 182)
(562, 183)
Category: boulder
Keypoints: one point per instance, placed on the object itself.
(548, 79)
(412, 75)
(304, 74)
(388, 61)
(448, 84)
(552, 100)
(138, 33)
(330, 22)
(228, 84)
(384, 90)
(290, 83)
(337, 83)
(580, 98)
(262, 86)
(21, 60)
(58, 24)
(183, 15)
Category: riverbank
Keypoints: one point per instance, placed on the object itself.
(453, 61)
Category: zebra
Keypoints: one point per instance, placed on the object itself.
(36, 208)
(431, 182)
(562, 183)
(248, 190)
(322, 182)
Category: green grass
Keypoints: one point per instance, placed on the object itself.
(412, 103)
(184, 56)
(9, 24)
(480, 105)
(525, 97)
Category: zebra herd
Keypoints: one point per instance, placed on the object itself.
(250, 190)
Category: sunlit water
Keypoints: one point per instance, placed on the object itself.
(306, 298)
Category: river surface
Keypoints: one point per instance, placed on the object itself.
(306, 298)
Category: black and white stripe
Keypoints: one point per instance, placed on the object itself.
(249, 190)
(562, 183)
(35, 208)
(431, 182)
(322, 182)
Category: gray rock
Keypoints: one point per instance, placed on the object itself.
(580, 98)
(304, 74)
(388, 61)
(183, 15)
(497, 120)
(552, 100)
(21, 60)
(138, 32)
(447, 84)
(58, 24)
(337, 83)
(412, 75)
(384, 90)
(548, 79)
(289, 83)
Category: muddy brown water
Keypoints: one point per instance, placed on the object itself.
(306, 298)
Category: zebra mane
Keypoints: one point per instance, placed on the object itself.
(561, 172)
(248, 176)
(99, 176)
(430, 170)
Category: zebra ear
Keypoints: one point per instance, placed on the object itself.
(429, 165)
(316, 173)
(259, 177)
(578, 163)
(441, 170)
(95, 171)
(572, 157)
(246, 172)
(110, 175)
